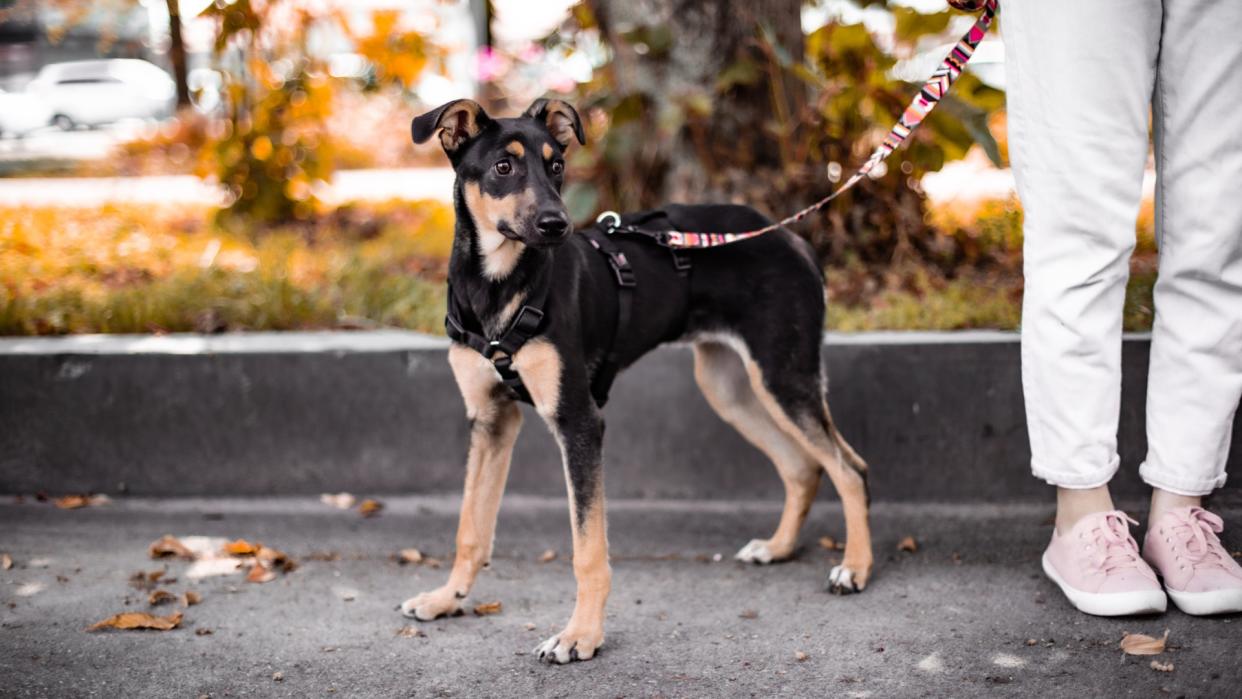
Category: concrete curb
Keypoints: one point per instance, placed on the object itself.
(939, 416)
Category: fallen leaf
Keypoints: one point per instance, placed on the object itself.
(240, 547)
(547, 556)
(158, 597)
(203, 632)
(908, 544)
(204, 546)
(169, 546)
(341, 501)
(409, 632)
(1142, 644)
(6, 561)
(409, 556)
(260, 573)
(276, 560)
(73, 502)
(1161, 667)
(191, 598)
(487, 608)
(831, 544)
(749, 614)
(530, 626)
(800, 656)
(370, 508)
(138, 620)
(209, 567)
(278, 676)
(146, 580)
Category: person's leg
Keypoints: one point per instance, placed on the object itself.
(1195, 380)
(1080, 77)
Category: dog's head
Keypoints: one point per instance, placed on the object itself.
(510, 171)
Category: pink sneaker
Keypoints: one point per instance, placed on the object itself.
(1098, 567)
(1201, 577)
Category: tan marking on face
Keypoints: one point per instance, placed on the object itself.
(560, 122)
(539, 365)
(500, 255)
(547, 151)
(515, 149)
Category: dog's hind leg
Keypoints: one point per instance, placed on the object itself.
(495, 421)
(722, 376)
(791, 387)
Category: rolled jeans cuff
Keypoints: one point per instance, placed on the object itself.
(1162, 477)
(1077, 478)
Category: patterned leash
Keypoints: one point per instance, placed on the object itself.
(933, 90)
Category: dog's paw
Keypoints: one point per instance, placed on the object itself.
(761, 552)
(569, 645)
(433, 605)
(843, 581)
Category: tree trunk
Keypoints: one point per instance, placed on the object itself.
(727, 154)
(176, 52)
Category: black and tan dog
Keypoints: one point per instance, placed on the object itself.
(754, 311)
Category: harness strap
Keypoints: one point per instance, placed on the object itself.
(525, 325)
(607, 371)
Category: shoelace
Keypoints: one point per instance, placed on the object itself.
(1196, 529)
(1116, 549)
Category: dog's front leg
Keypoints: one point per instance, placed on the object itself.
(495, 421)
(562, 397)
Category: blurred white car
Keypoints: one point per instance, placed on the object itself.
(21, 113)
(97, 92)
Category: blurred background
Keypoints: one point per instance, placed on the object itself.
(225, 165)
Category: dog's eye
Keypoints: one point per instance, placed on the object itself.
(504, 167)
(558, 167)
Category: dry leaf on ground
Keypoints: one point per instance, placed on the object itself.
(260, 573)
(278, 676)
(749, 614)
(800, 656)
(409, 632)
(1142, 644)
(276, 560)
(409, 556)
(370, 508)
(341, 501)
(169, 546)
(487, 608)
(203, 632)
(6, 561)
(547, 556)
(830, 544)
(191, 598)
(73, 502)
(158, 597)
(908, 544)
(146, 580)
(209, 567)
(240, 547)
(138, 620)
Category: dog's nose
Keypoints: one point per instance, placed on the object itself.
(553, 225)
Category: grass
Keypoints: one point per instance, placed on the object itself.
(137, 269)
(122, 269)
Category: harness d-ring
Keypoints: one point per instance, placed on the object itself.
(616, 220)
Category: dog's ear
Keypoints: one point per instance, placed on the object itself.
(561, 119)
(457, 121)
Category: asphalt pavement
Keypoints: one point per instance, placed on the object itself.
(966, 614)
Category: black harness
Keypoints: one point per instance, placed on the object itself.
(462, 327)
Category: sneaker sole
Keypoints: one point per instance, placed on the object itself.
(1207, 603)
(1109, 603)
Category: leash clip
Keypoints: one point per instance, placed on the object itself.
(614, 216)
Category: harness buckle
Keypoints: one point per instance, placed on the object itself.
(622, 270)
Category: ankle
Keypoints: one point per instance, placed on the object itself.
(1075, 503)
(1162, 501)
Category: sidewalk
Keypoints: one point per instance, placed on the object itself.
(955, 618)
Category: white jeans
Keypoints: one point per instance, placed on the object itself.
(1082, 75)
